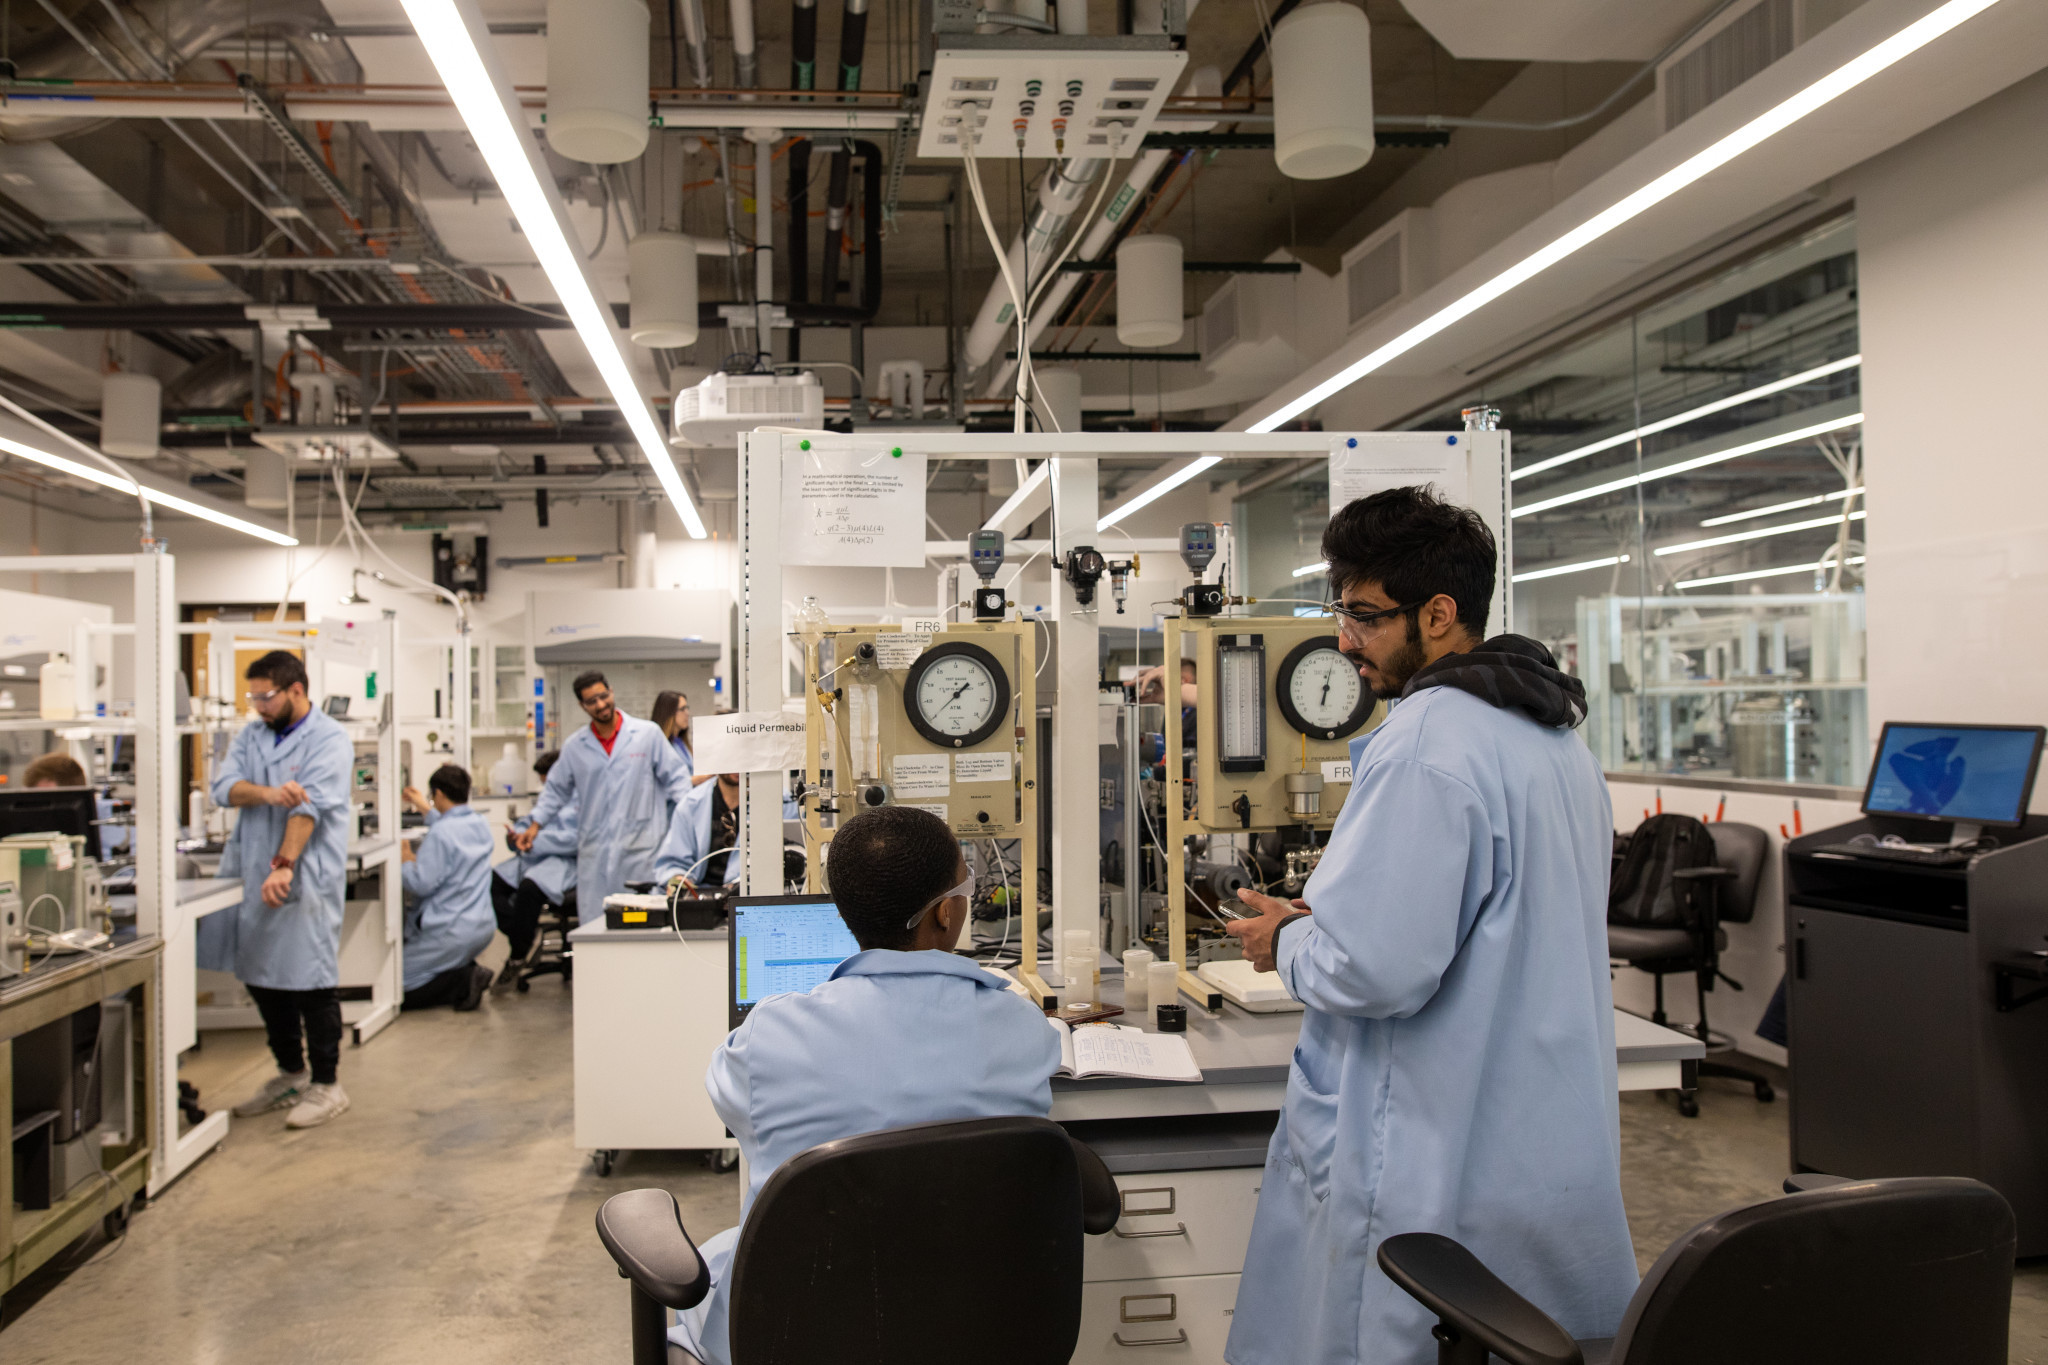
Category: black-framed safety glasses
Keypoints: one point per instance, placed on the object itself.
(1369, 619)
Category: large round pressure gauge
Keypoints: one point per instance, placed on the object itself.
(1320, 692)
(957, 694)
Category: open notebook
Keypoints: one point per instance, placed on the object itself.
(1093, 1050)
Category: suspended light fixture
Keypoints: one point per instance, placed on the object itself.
(661, 278)
(1148, 290)
(1322, 92)
(597, 79)
(131, 415)
(458, 40)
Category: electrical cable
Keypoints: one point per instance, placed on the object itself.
(1021, 403)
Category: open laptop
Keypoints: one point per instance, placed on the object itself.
(782, 944)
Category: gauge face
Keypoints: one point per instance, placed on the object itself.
(956, 694)
(1321, 694)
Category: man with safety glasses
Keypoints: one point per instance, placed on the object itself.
(288, 773)
(1456, 1068)
(902, 1032)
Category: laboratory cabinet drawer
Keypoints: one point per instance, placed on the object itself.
(1177, 1223)
(1184, 1319)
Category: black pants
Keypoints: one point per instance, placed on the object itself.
(518, 913)
(318, 1011)
(449, 988)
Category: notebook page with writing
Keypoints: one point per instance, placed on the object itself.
(1118, 1050)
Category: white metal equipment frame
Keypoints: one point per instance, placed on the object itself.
(1076, 510)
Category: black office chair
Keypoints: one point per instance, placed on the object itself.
(880, 1249)
(552, 953)
(1879, 1272)
(1665, 917)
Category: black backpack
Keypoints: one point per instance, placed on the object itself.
(1641, 893)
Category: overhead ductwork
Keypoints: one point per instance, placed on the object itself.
(1556, 30)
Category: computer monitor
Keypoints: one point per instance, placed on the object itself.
(1967, 774)
(782, 944)
(59, 810)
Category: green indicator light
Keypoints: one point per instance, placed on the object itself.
(897, 452)
(803, 445)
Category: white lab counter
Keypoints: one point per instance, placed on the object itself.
(650, 1008)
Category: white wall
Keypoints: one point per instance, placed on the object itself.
(1954, 290)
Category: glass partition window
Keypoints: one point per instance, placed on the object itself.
(1687, 519)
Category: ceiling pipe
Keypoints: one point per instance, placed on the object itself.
(803, 75)
(745, 69)
(853, 32)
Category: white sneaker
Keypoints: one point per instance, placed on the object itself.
(277, 1092)
(322, 1102)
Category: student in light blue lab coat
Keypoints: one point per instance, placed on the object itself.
(448, 920)
(524, 885)
(1456, 1069)
(624, 778)
(289, 772)
(701, 833)
(672, 713)
(903, 1032)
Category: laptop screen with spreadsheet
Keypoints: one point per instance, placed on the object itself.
(782, 944)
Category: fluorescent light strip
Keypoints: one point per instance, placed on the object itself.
(1749, 574)
(1687, 466)
(1320, 566)
(1738, 537)
(1159, 490)
(1733, 400)
(453, 33)
(1832, 86)
(1776, 508)
(92, 474)
(1557, 569)
(1024, 490)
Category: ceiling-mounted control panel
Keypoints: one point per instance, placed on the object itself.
(1056, 97)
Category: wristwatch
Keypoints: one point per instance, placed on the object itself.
(283, 864)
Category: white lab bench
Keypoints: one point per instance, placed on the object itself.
(651, 1006)
(1188, 1160)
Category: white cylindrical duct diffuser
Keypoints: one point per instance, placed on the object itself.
(266, 480)
(131, 415)
(597, 79)
(1059, 390)
(1073, 17)
(661, 277)
(1148, 290)
(1322, 91)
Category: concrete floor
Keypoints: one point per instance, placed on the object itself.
(447, 1218)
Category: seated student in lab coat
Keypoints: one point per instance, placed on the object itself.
(62, 770)
(903, 1031)
(526, 884)
(448, 884)
(701, 833)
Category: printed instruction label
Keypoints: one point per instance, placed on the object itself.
(916, 775)
(993, 767)
(1337, 770)
(938, 808)
(1397, 459)
(898, 652)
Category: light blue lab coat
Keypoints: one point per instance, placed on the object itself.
(689, 839)
(682, 748)
(1456, 1069)
(551, 863)
(890, 1039)
(629, 794)
(448, 883)
(297, 946)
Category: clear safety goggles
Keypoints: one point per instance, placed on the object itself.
(965, 891)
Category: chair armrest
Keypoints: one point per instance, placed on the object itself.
(1701, 874)
(1101, 1203)
(643, 1230)
(1472, 1303)
(1813, 1180)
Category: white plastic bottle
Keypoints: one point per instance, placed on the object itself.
(508, 774)
(59, 689)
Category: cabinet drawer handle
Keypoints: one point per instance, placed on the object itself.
(1178, 1230)
(1179, 1338)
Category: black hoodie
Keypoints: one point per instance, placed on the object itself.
(1512, 672)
